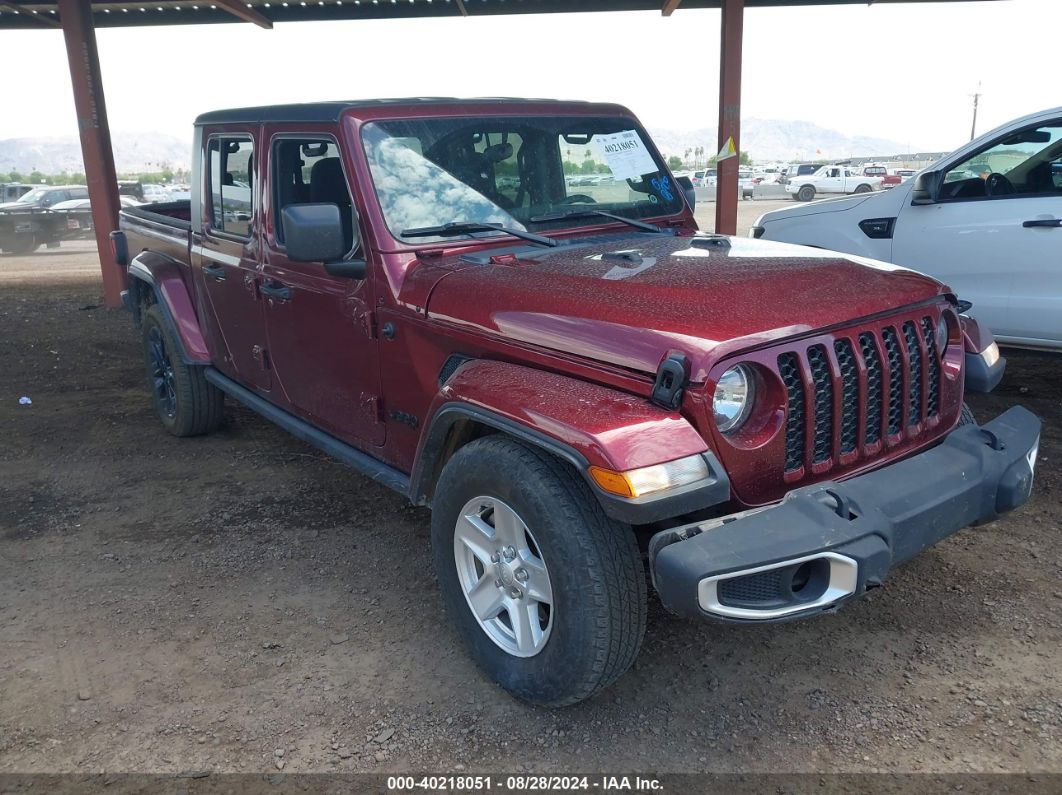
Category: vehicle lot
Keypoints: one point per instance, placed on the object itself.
(176, 605)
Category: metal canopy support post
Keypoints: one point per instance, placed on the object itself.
(726, 192)
(80, 36)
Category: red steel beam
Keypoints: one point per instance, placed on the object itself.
(80, 35)
(726, 192)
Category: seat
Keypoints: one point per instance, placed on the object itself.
(328, 186)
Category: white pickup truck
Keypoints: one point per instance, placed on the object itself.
(985, 219)
(832, 179)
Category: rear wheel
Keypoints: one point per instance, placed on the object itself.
(548, 594)
(186, 403)
(806, 193)
(19, 244)
(863, 189)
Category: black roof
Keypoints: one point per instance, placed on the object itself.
(331, 111)
(44, 14)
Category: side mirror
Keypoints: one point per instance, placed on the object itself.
(687, 188)
(924, 189)
(313, 232)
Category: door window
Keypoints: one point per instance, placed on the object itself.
(1024, 163)
(231, 167)
(310, 170)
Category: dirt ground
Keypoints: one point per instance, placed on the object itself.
(242, 603)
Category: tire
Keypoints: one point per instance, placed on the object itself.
(863, 189)
(589, 608)
(967, 417)
(186, 403)
(20, 244)
(806, 194)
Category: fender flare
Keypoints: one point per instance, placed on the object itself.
(164, 277)
(580, 423)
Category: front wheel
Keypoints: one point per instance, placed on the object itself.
(548, 594)
(806, 194)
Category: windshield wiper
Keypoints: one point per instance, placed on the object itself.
(587, 213)
(455, 228)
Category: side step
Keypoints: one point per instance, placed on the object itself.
(351, 456)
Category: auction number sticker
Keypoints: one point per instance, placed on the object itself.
(626, 155)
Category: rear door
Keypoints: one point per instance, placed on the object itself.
(320, 327)
(995, 234)
(225, 258)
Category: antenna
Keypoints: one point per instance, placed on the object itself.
(976, 97)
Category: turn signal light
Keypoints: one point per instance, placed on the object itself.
(636, 483)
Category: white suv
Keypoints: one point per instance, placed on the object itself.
(985, 219)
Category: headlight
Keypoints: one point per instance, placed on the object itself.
(734, 393)
(942, 335)
(649, 480)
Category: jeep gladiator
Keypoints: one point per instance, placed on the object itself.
(579, 384)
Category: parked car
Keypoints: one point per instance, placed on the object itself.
(831, 179)
(887, 180)
(986, 219)
(799, 170)
(579, 390)
(31, 222)
(46, 196)
(705, 178)
(905, 173)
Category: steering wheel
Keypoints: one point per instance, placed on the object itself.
(578, 198)
(998, 185)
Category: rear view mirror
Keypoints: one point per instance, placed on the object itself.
(687, 188)
(924, 189)
(1028, 137)
(313, 232)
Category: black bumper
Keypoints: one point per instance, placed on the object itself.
(824, 545)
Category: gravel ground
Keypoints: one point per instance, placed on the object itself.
(242, 603)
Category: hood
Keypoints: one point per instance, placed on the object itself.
(630, 302)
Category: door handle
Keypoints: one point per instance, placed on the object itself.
(215, 272)
(1048, 222)
(278, 292)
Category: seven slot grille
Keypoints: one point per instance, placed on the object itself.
(902, 385)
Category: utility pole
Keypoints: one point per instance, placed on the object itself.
(976, 97)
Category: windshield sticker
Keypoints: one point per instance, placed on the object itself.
(663, 187)
(626, 155)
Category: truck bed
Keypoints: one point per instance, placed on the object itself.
(164, 228)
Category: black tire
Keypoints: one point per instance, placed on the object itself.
(20, 244)
(967, 417)
(185, 402)
(806, 193)
(863, 189)
(598, 611)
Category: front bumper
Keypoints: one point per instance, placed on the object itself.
(826, 544)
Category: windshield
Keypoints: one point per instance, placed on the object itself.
(31, 197)
(514, 171)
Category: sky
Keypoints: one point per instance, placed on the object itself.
(904, 72)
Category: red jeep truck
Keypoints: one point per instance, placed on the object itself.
(581, 386)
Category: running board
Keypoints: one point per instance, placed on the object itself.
(351, 456)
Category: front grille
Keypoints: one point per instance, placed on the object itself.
(851, 396)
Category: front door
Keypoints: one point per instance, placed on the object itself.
(995, 235)
(319, 327)
(225, 261)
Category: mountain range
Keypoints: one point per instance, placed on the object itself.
(768, 140)
(133, 153)
(764, 139)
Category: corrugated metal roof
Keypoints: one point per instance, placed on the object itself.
(39, 14)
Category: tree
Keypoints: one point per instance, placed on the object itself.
(674, 162)
(744, 159)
